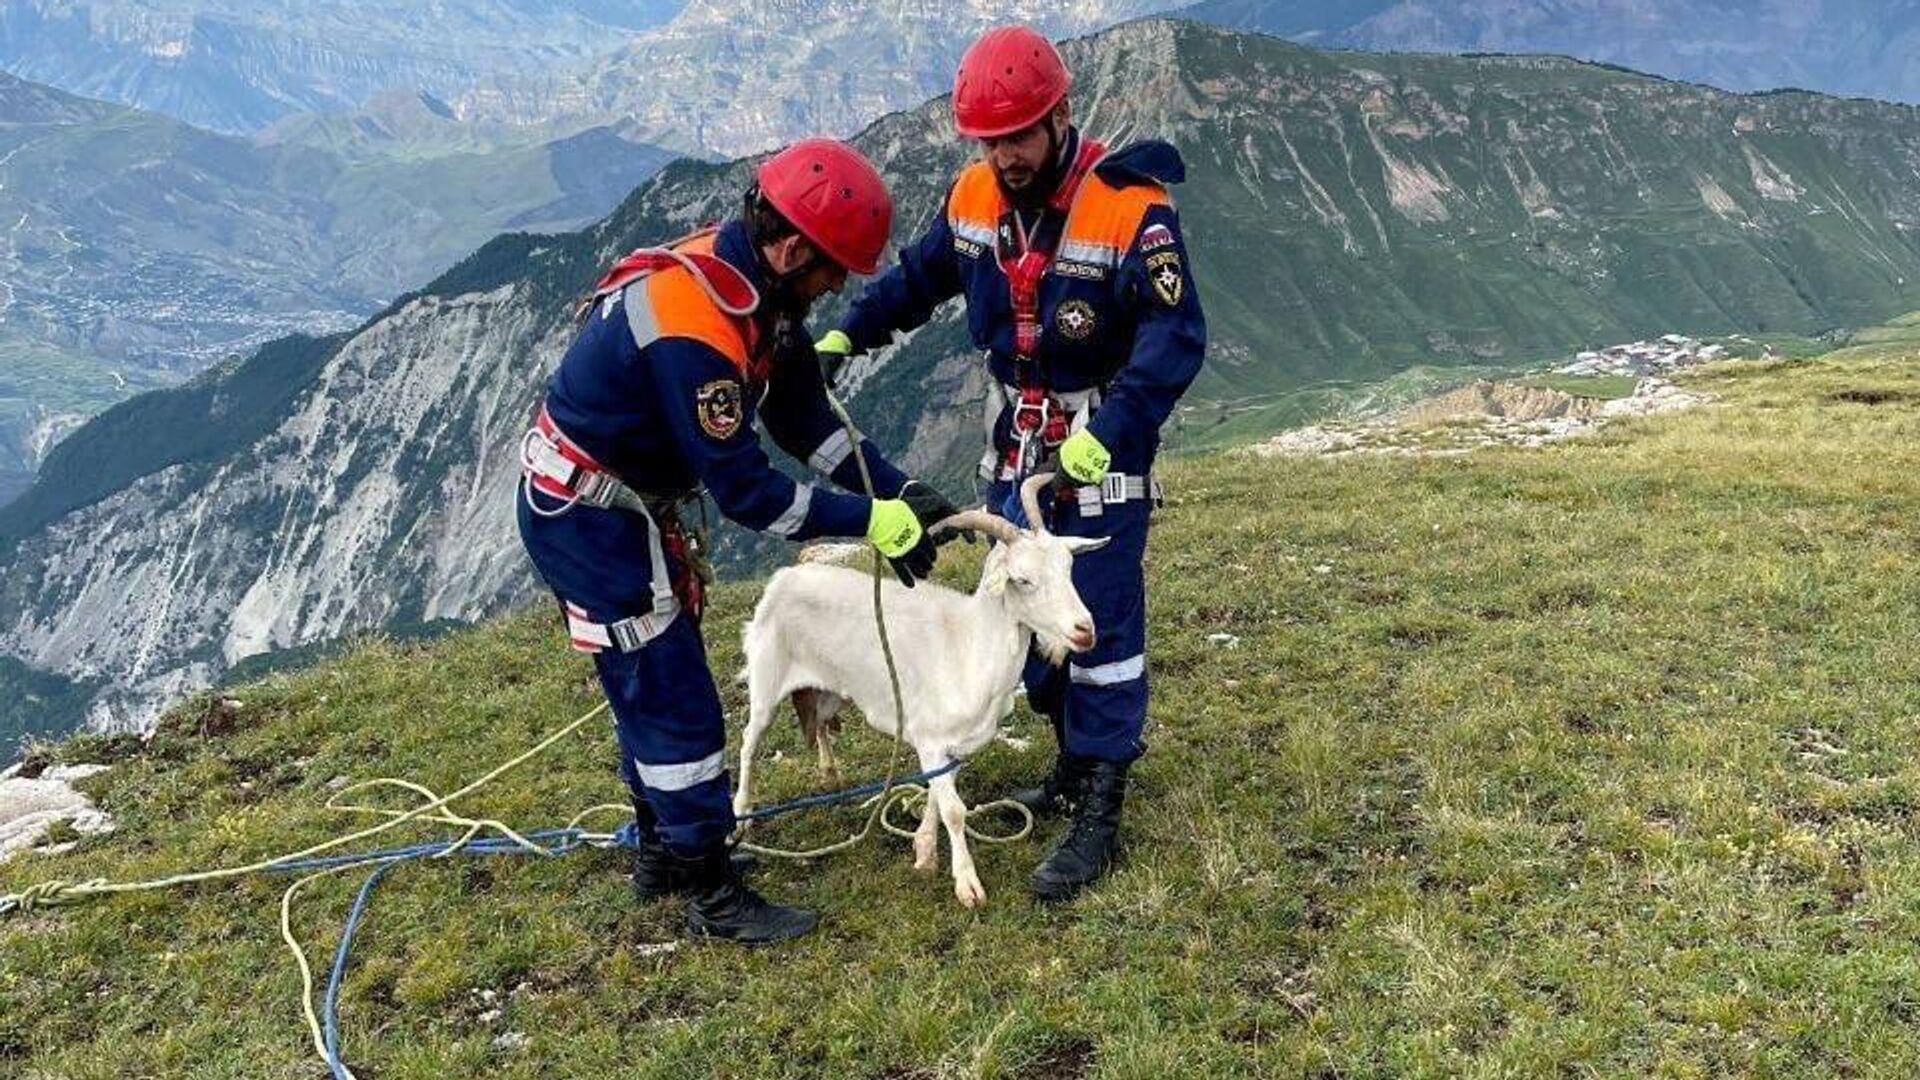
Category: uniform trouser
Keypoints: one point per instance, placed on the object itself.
(672, 735)
(1098, 700)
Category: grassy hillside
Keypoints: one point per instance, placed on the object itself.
(1589, 760)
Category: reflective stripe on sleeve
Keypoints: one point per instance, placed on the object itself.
(790, 522)
(832, 452)
(640, 317)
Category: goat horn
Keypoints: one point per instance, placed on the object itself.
(980, 521)
(1030, 500)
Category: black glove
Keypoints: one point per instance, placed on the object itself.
(917, 563)
(930, 508)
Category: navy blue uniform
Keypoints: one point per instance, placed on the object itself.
(662, 388)
(1121, 336)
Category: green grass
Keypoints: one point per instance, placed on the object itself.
(1594, 760)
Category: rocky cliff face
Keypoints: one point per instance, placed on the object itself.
(728, 78)
(1349, 216)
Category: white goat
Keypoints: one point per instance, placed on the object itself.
(813, 639)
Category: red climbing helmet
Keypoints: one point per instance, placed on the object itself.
(1009, 79)
(834, 196)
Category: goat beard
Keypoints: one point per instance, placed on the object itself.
(1053, 648)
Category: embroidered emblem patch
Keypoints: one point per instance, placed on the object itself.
(718, 405)
(1169, 279)
(1075, 320)
(1157, 236)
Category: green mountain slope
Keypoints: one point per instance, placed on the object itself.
(1858, 47)
(1593, 759)
(1356, 215)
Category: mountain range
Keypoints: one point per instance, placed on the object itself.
(1350, 217)
(136, 250)
(723, 78)
(237, 66)
(1866, 48)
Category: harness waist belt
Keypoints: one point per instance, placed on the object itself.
(1093, 499)
(555, 466)
(627, 635)
(558, 468)
(1116, 488)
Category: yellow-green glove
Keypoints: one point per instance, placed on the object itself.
(895, 529)
(833, 348)
(1083, 458)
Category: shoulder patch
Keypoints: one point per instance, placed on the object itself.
(719, 405)
(1168, 276)
(1155, 237)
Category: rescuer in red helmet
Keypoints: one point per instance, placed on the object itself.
(1080, 293)
(678, 349)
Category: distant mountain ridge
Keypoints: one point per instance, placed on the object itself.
(236, 66)
(1350, 216)
(162, 247)
(1863, 48)
(725, 78)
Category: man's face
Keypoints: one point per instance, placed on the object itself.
(1018, 159)
(823, 277)
(826, 277)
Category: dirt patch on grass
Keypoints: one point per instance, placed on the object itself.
(1067, 1060)
(1484, 398)
(1872, 396)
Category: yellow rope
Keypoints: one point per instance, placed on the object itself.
(306, 970)
(63, 893)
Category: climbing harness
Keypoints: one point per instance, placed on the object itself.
(554, 466)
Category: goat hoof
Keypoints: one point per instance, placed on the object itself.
(970, 893)
(925, 864)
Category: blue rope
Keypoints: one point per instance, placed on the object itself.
(563, 842)
(330, 1009)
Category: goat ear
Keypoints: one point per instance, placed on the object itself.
(993, 572)
(1080, 545)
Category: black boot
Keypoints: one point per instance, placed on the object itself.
(1092, 839)
(1060, 790)
(720, 906)
(652, 875)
